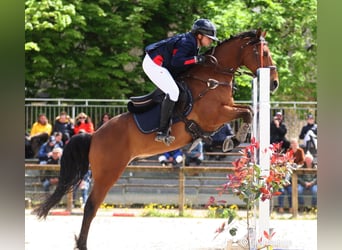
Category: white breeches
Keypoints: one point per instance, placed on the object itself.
(161, 77)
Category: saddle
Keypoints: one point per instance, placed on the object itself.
(146, 113)
(146, 108)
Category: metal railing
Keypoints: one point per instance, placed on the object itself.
(294, 112)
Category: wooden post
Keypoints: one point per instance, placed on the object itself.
(69, 201)
(294, 194)
(181, 191)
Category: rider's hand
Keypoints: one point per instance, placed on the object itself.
(200, 59)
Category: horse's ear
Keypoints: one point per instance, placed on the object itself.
(260, 33)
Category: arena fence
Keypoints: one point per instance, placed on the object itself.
(294, 112)
(184, 181)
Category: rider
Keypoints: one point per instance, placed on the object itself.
(166, 59)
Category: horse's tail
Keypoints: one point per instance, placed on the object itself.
(74, 165)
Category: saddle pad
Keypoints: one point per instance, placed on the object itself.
(148, 122)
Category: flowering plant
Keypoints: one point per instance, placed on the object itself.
(249, 183)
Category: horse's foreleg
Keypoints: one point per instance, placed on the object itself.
(229, 113)
(94, 201)
(247, 119)
(241, 106)
(244, 112)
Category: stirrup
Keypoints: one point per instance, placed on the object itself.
(167, 139)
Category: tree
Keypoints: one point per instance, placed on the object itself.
(291, 27)
(94, 49)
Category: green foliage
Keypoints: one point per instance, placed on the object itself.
(94, 49)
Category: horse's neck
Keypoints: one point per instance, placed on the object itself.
(229, 55)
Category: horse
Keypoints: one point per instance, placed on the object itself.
(111, 148)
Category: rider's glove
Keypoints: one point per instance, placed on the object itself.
(200, 59)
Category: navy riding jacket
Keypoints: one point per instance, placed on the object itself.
(176, 53)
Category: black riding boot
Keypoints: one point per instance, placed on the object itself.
(166, 112)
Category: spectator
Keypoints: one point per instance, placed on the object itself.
(59, 139)
(84, 186)
(195, 155)
(278, 131)
(307, 182)
(297, 154)
(173, 158)
(40, 132)
(219, 138)
(45, 150)
(308, 134)
(51, 177)
(65, 125)
(104, 118)
(83, 124)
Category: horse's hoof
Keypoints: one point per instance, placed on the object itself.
(228, 144)
(242, 133)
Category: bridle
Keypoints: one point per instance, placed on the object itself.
(258, 53)
(226, 70)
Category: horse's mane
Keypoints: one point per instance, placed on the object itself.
(242, 35)
(250, 33)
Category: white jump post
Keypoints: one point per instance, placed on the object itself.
(261, 132)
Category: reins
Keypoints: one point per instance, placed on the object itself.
(258, 55)
(213, 84)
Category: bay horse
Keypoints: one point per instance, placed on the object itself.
(119, 141)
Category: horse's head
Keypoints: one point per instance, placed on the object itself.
(256, 54)
(251, 51)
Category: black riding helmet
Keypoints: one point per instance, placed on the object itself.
(205, 27)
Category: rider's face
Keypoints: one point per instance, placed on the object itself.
(204, 41)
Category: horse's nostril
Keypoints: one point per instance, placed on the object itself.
(274, 86)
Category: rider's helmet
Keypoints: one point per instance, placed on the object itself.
(204, 27)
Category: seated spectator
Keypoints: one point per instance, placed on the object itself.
(307, 182)
(104, 118)
(40, 132)
(308, 134)
(59, 139)
(84, 186)
(297, 154)
(173, 158)
(278, 131)
(219, 138)
(195, 155)
(51, 177)
(83, 124)
(65, 125)
(28, 149)
(45, 150)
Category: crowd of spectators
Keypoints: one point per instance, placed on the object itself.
(304, 155)
(46, 142)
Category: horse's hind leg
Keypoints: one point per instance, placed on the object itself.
(95, 199)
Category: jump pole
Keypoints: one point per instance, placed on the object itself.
(261, 132)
